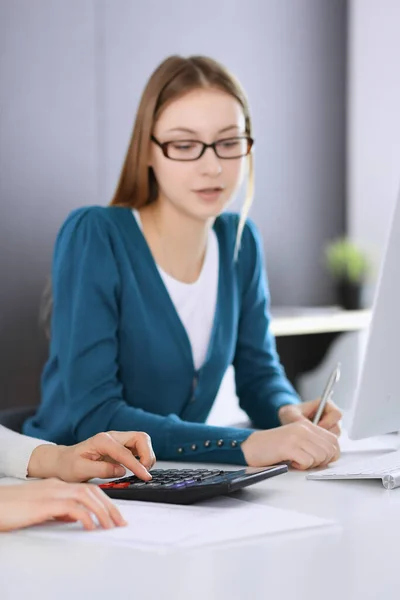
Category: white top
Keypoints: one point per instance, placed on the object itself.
(15, 453)
(195, 302)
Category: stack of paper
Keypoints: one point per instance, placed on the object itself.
(168, 526)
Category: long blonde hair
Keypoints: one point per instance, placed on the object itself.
(174, 77)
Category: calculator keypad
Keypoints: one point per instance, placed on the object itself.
(170, 479)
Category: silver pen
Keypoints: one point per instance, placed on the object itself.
(333, 379)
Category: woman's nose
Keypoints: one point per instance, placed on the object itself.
(210, 164)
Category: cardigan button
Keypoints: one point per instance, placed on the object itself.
(207, 444)
(180, 450)
(220, 443)
(194, 446)
(234, 443)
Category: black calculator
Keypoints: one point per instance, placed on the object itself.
(186, 486)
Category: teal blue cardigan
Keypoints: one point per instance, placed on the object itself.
(120, 358)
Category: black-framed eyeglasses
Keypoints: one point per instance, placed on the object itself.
(185, 150)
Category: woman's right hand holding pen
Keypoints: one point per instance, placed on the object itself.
(302, 443)
(308, 437)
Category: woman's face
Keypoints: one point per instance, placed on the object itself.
(199, 188)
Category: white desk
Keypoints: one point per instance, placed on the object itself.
(356, 559)
(306, 321)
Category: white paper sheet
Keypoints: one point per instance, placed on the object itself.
(161, 526)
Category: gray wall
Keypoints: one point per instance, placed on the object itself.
(374, 124)
(71, 73)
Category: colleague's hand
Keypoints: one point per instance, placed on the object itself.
(39, 501)
(330, 420)
(303, 444)
(105, 455)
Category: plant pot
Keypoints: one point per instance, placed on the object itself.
(349, 295)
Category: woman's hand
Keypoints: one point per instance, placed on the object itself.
(105, 455)
(39, 501)
(330, 420)
(303, 444)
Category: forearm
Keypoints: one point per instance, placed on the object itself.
(172, 438)
(43, 461)
(16, 452)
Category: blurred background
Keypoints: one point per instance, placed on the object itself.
(323, 81)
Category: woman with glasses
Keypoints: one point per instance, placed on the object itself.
(156, 295)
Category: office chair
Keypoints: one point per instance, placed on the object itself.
(14, 418)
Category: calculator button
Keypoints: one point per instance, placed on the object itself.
(211, 475)
(120, 486)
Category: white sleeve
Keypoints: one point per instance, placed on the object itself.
(15, 452)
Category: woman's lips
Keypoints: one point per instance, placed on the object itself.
(209, 194)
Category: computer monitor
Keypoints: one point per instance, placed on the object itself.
(376, 406)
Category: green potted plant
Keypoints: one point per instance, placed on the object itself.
(349, 267)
